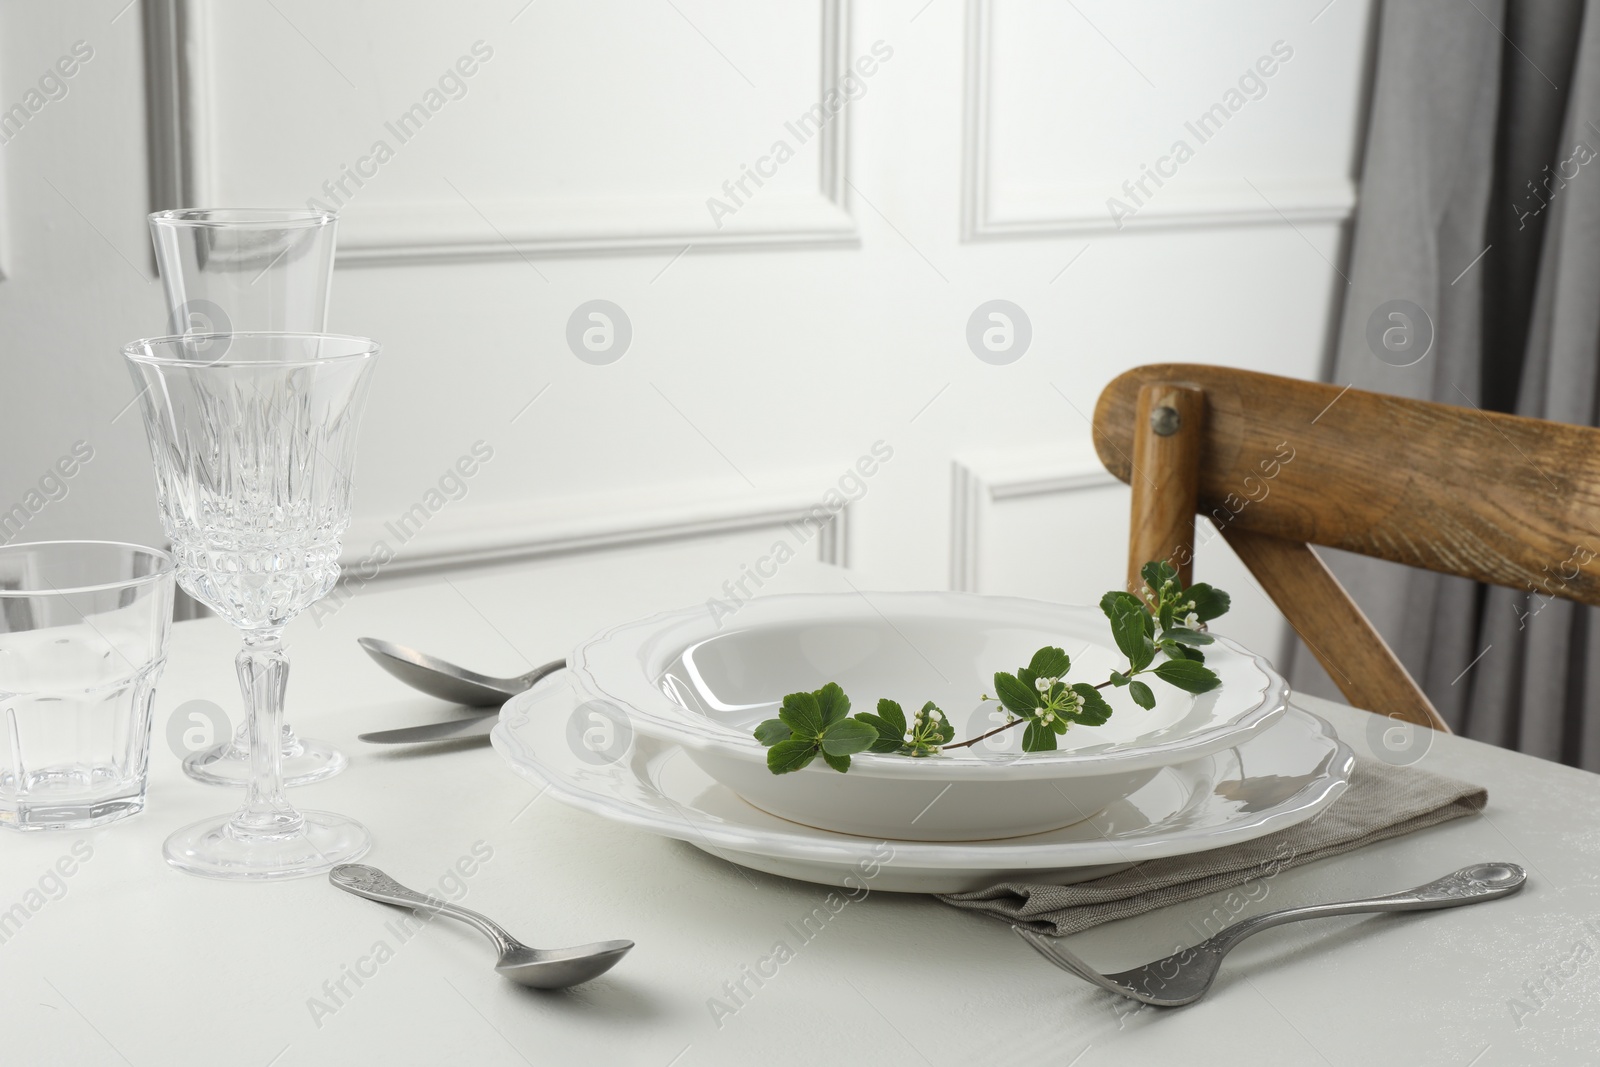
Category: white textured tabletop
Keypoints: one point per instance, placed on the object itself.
(108, 956)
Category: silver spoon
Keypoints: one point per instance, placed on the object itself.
(537, 968)
(1184, 977)
(443, 679)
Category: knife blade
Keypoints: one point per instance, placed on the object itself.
(451, 730)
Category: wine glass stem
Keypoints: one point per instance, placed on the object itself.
(263, 669)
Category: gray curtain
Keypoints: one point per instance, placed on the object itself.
(1480, 203)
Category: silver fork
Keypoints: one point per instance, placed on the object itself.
(1184, 977)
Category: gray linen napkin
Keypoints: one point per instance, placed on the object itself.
(1381, 802)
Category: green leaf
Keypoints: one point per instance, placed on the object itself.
(1019, 698)
(1119, 679)
(1164, 614)
(1156, 573)
(890, 722)
(772, 731)
(847, 736)
(889, 739)
(1050, 663)
(786, 756)
(891, 713)
(1177, 651)
(1187, 637)
(1142, 695)
(838, 763)
(1037, 737)
(802, 714)
(1187, 675)
(833, 703)
(1117, 600)
(1095, 709)
(1208, 601)
(1128, 629)
(943, 733)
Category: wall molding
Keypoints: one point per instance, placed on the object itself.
(170, 98)
(1081, 209)
(461, 535)
(180, 53)
(980, 480)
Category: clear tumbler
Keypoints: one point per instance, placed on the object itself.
(83, 638)
(232, 270)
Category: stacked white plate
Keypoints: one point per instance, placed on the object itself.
(652, 727)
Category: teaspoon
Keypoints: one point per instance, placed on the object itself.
(443, 679)
(538, 968)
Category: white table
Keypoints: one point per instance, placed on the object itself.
(129, 961)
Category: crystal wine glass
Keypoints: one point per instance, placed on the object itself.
(248, 269)
(252, 455)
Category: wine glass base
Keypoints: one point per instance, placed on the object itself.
(212, 848)
(305, 760)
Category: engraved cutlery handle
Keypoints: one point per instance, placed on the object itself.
(369, 882)
(1481, 881)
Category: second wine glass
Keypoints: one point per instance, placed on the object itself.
(252, 455)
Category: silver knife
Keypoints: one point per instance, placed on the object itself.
(452, 730)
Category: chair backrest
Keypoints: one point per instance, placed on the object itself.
(1278, 464)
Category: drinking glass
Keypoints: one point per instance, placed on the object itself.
(237, 270)
(252, 455)
(229, 270)
(83, 638)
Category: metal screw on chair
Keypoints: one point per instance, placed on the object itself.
(1165, 421)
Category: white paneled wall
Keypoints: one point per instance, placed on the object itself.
(797, 206)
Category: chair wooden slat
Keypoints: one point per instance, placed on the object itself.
(1334, 627)
(1169, 437)
(1498, 498)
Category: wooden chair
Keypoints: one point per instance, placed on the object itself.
(1281, 464)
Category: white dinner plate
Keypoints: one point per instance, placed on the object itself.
(588, 756)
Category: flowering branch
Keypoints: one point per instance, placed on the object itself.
(1164, 618)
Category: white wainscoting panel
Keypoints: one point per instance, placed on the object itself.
(354, 124)
(1072, 109)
